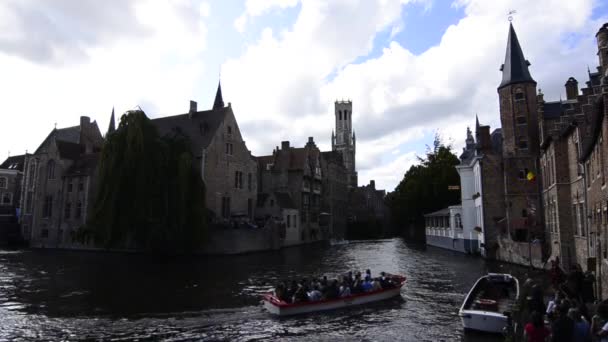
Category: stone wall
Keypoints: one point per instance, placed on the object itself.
(242, 240)
(519, 252)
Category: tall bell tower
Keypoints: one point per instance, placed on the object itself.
(344, 140)
(520, 148)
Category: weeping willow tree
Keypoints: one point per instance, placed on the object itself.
(149, 195)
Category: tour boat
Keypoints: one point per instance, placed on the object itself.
(488, 305)
(281, 308)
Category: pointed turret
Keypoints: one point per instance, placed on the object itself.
(112, 126)
(219, 101)
(515, 68)
(476, 123)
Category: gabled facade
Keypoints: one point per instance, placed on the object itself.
(225, 164)
(297, 172)
(11, 175)
(51, 213)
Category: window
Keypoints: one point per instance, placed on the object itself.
(44, 233)
(80, 185)
(523, 174)
(340, 114)
(48, 206)
(50, 169)
(70, 185)
(229, 149)
(521, 120)
(519, 96)
(3, 183)
(78, 212)
(288, 221)
(238, 180)
(522, 143)
(581, 219)
(67, 211)
(249, 180)
(229, 130)
(272, 203)
(458, 221)
(225, 207)
(7, 198)
(524, 213)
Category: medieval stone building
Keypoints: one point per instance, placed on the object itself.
(225, 164)
(58, 184)
(11, 175)
(344, 140)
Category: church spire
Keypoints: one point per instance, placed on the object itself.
(219, 101)
(515, 68)
(112, 126)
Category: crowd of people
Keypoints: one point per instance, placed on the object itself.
(566, 317)
(316, 289)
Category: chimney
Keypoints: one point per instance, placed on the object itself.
(571, 88)
(85, 121)
(192, 108)
(310, 140)
(284, 145)
(372, 184)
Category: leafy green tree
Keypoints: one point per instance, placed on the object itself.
(149, 195)
(424, 189)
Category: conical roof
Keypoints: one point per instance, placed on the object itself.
(515, 68)
(219, 101)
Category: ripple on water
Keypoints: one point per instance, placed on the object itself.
(124, 297)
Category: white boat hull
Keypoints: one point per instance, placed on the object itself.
(483, 321)
(275, 307)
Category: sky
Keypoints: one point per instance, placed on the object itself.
(412, 68)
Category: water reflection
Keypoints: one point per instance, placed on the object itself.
(79, 295)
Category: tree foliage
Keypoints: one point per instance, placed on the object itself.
(424, 188)
(149, 195)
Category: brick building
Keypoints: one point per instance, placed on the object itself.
(296, 172)
(58, 185)
(226, 165)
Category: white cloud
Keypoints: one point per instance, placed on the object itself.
(256, 8)
(155, 71)
(398, 96)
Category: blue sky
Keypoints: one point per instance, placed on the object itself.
(411, 67)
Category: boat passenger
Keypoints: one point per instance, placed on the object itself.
(291, 291)
(344, 290)
(376, 285)
(368, 273)
(563, 326)
(357, 284)
(300, 295)
(280, 291)
(314, 295)
(367, 285)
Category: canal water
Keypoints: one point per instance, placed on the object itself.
(65, 295)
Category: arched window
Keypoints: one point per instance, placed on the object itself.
(458, 221)
(340, 115)
(50, 168)
(3, 183)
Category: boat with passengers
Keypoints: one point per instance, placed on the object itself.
(281, 307)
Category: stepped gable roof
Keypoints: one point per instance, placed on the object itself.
(85, 165)
(515, 69)
(597, 118)
(284, 200)
(68, 150)
(14, 163)
(200, 127)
